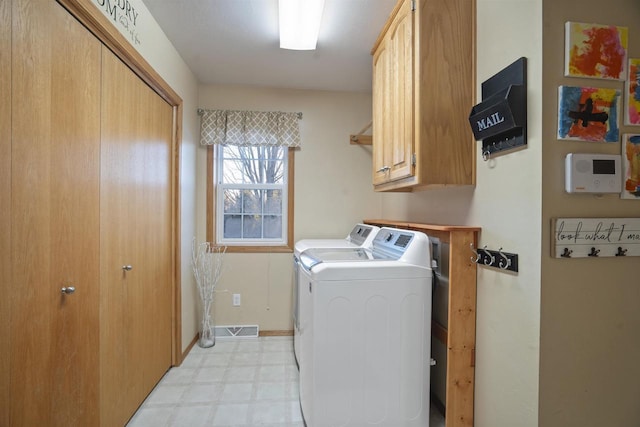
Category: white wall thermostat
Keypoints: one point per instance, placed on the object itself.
(592, 173)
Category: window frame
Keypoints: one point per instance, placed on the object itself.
(212, 214)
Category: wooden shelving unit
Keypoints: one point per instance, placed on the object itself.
(460, 336)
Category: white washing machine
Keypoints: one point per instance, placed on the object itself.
(365, 331)
(361, 235)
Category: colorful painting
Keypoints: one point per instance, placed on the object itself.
(593, 50)
(632, 116)
(588, 114)
(631, 166)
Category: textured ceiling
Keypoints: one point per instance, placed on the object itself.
(236, 42)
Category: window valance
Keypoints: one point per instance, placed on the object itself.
(249, 128)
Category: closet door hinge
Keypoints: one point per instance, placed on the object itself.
(413, 159)
(413, 5)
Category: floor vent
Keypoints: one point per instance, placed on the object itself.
(236, 332)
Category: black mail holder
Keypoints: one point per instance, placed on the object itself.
(500, 120)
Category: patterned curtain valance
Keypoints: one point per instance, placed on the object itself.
(249, 128)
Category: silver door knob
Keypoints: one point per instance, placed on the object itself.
(68, 290)
(127, 267)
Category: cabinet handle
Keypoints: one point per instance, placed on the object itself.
(68, 290)
(127, 267)
(383, 169)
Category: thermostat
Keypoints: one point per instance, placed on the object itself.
(593, 173)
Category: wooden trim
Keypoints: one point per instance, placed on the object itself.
(176, 315)
(387, 24)
(87, 13)
(211, 208)
(290, 196)
(186, 351)
(420, 226)
(280, 333)
(211, 196)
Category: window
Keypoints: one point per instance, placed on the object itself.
(250, 198)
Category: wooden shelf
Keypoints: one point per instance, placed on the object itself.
(460, 336)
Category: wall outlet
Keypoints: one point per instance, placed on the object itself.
(236, 300)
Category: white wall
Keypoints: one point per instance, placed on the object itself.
(156, 49)
(333, 191)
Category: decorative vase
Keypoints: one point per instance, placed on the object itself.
(206, 262)
(207, 336)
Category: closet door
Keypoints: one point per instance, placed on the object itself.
(54, 218)
(135, 241)
(5, 211)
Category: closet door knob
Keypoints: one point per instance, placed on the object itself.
(68, 290)
(127, 267)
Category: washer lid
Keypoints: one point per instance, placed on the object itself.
(315, 256)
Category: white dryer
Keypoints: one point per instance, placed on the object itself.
(361, 235)
(365, 329)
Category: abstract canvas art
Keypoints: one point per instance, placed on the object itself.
(588, 114)
(593, 50)
(632, 110)
(631, 166)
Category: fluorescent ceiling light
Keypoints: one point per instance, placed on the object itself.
(300, 23)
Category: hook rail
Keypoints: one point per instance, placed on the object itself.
(496, 259)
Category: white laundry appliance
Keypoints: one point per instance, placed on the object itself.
(360, 236)
(365, 331)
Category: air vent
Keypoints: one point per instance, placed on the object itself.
(236, 331)
(403, 240)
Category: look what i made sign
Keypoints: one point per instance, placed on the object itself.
(125, 16)
(595, 237)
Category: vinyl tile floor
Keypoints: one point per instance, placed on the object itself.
(234, 383)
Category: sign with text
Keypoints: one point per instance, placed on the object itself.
(125, 15)
(595, 237)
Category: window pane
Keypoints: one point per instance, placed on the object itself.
(273, 226)
(232, 226)
(252, 201)
(252, 194)
(257, 165)
(273, 201)
(232, 201)
(252, 227)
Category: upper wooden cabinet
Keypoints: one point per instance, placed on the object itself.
(423, 91)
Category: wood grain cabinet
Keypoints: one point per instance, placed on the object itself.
(423, 91)
(85, 176)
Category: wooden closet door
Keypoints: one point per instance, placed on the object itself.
(5, 210)
(55, 217)
(135, 231)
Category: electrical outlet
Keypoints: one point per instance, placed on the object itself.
(236, 300)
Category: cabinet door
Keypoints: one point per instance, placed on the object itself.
(402, 94)
(55, 217)
(135, 303)
(393, 100)
(382, 120)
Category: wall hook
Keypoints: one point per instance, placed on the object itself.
(566, 253)
(505, 262)
(594, 252)
(621, 252)
(477, 255)
(490, 259)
